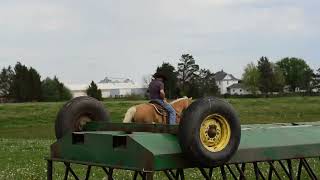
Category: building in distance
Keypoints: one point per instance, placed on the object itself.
(111, 88)
(224, 80)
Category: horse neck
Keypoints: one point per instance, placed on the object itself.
(179, 106)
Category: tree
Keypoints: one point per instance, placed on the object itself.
(207, 83)
(202, 84)
(193, 88)
(34, 85)
(251, 78)
(187, 70)
(54, 90)
(266, 74)
(171, 83)
(26, 84)
(94, 92)
(19, 89)
(6, 79)
(64, 92)
(297, 73)
(278, 79)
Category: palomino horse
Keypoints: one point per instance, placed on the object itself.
(146, 113)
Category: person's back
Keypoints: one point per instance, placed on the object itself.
(156, 93)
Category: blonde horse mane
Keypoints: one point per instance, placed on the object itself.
(180, 99)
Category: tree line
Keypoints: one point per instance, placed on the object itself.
(23, 84)
(292, 74)
(188, 79)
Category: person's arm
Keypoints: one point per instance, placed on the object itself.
(162, 94)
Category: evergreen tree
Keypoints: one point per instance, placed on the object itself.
(26, 84)
(20, 86)
(187, 71)
(94, 92)
(207, 84)
(6, 79)
(266, 74)
(50, 90)
(34, 85)
(64, 92)
(54, 90)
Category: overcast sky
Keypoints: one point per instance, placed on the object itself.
(81, 41)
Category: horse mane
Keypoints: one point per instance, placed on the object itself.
(180, 99)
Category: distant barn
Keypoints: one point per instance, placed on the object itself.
(110, 88)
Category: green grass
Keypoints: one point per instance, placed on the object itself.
(27, 129)
(36, 120)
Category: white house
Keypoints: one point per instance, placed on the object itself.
(224, 80)
(119, 89)
(238, 89)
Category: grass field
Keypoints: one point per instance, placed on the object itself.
(26, 129)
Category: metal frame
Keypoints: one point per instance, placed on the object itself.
(228, 171)
(259, 162)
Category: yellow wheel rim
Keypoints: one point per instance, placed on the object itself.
(215, 133)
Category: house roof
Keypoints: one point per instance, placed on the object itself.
(116, 80)
(237, 86)
(219, 76)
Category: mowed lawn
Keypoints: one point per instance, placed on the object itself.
(27, 129)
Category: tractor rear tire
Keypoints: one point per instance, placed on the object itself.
(77, 112)
(209, 132)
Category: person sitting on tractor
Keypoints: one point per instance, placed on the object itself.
(157, 94)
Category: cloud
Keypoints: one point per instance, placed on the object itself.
(36, 16)
(91, 39)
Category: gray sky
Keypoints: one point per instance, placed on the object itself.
(81, 41)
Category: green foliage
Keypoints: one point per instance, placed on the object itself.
(206, 83)
(266, 73)
(271, 76)
(26, 84)
(19, 86)
(278, 79)
(188, 80)
(94, 92)
(251, 78)
(171, 82)
(54, 90)
(297, 73)
(35, 85)
(6, 79)
(187, 70)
